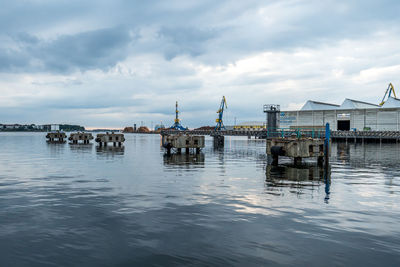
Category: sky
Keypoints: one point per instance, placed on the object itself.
(116, 63)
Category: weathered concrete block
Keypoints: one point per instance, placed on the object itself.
(56, 136)
(85, 137)
(184, 141)
(296, 147)
(115, 138)
(180, 141)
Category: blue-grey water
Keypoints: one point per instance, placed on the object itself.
(80, 205)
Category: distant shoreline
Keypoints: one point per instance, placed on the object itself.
(45, 131)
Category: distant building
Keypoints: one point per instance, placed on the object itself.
(251, 125)
(11, 126)
(159, 126)
(54, 127)
(19, 127)
(350, 115)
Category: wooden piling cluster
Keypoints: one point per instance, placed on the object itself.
(84, 137)
(115, 138)
(57, 137)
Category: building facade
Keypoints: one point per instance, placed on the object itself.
(351, 115)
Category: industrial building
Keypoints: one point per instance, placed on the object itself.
(250, 125)
(350, 115)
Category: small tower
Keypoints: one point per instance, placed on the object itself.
(273, 112)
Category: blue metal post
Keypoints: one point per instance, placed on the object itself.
(326, 143)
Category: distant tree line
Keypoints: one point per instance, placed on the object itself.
(71, 128)
(38, 128)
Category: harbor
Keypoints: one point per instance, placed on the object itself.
(199, 133)
(138, 186)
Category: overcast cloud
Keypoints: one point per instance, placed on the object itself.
(115, 63)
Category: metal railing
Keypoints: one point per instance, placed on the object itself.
(295, 133)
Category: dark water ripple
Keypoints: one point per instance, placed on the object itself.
(80, 205)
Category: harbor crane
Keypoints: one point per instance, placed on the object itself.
(222, 107)
(177, 122)
(388, 92)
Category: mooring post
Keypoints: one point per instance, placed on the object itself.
(275, 160)
(297, 160)
(327, 180)
(219, 140)
(320, 161)
(326, 144)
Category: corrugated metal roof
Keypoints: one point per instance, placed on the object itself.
(392, 102)
(355, 104)
(315, 105)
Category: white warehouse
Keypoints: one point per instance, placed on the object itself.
(350, 115)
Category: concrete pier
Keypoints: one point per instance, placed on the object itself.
(366, 136)
(115, 138)
(296, 148)
(219, 140)
(56, 137)
(180, 141)
(84, 137)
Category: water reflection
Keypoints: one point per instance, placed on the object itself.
(72, 205)
(55, 148)
(343, 152)
(110, 150)
(298, 177)
(184, 159)
(81, 147)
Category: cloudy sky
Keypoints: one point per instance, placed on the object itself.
(115, 63)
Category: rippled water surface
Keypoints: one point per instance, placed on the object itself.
(80, 205)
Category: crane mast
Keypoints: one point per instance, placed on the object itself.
(220, 125)
(388, 92)
(177, 122)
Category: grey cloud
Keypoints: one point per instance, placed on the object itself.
(185, 40)
(99, 49)
(213, 32)
(25, 38)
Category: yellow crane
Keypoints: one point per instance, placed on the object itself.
(388, 92)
